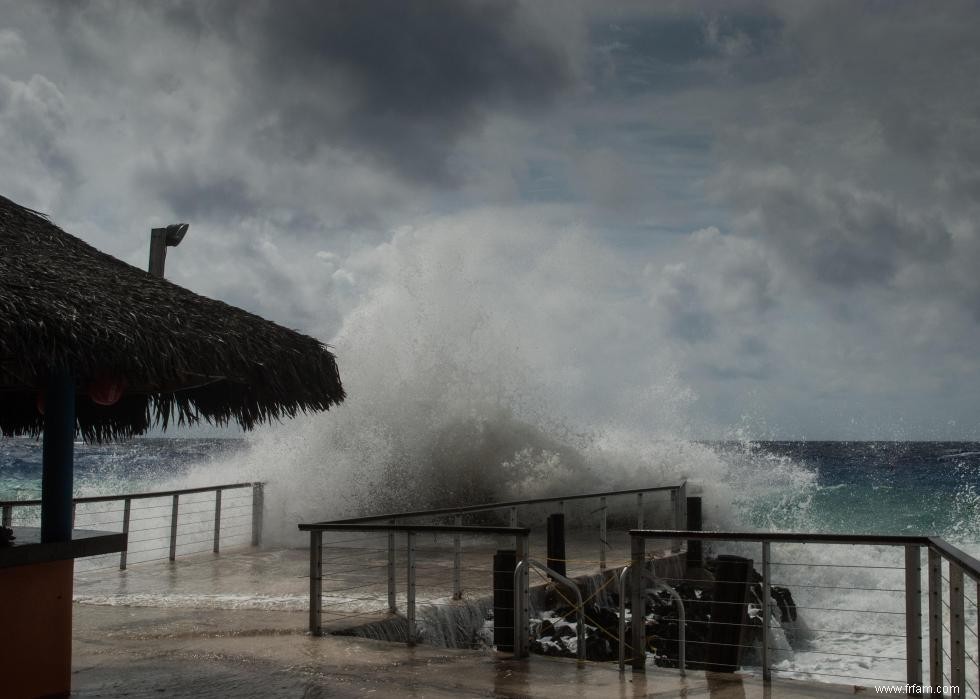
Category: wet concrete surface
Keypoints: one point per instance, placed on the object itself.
(234, 625)
(143, 652)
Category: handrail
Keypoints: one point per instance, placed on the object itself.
(490, 506)
(7, 508)
(136, 496)
(681, 618)
(969, 564)
(519, 626)
(437, 528)
(316, 531)
(959, 563)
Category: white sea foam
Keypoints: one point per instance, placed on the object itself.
(469, 382)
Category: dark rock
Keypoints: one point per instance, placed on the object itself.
(661, 624)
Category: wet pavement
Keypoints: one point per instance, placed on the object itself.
(235, 626)
(143, 652)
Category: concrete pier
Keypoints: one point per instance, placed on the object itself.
(169, 629)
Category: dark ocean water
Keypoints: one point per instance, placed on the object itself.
(892, 487)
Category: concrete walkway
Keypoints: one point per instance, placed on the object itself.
(148, 652)
(235, 626)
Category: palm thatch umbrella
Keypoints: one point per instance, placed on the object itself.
(77, 325)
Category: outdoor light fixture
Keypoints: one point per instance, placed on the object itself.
(176, 233)
(160, 240)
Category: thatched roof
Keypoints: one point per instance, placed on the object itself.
(65, 306)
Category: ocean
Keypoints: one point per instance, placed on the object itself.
(863, 487)
(849, 598)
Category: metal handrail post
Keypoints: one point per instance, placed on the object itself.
(8, 515)
(457, 588)
(603, 533)
(639, 510)
(913, 614)
(957, 644)
(127, 506)
(622, 617)
(392, 592)
(410, 608)
(580, 624)
(679, 496)
(258, 505)
(217, 520)
(681, 618)
(513, 516)
(766, 632)
(522, 599)
(173, 527)
(637, 564)
(935, 619)
(316, 581)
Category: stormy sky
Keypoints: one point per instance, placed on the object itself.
(733, 218)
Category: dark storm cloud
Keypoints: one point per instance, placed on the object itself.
(195, 196)
(394, 86)
(844, 237)
(399, 82)
(35, 115)
(859, 170)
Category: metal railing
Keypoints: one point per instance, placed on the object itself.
(946, 639)
(648, 577)
(351, 578)
(356, 592)
(522, 606)
(678, 516)
(180, 521)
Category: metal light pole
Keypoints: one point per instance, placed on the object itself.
(160, 240)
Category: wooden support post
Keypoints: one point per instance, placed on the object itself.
(913, 615)
(217, 520)
(680, 512)
(457, 556)
(173, 527)
(127, 508)
(638, 637)
(258, 507)
(392, 592)
(58, 453)
(603, 533)
(556, 543)
(695, 547)
(957, 639)
(733, 578)
(410, 589)
(935, 619)
(316, 581)
(766, 588)
(504, 598)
